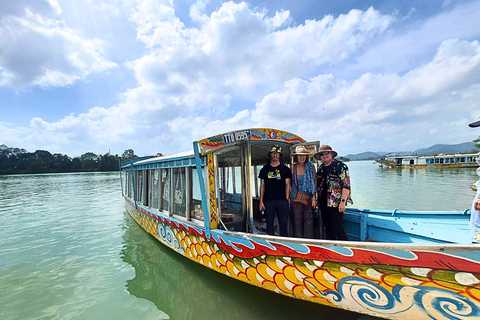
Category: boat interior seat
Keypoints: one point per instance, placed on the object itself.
(233, 201)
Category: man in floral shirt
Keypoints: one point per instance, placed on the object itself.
(333, 181)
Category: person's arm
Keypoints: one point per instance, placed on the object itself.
(345, 183)
(477, 204)
(314, 196)
(262, 192)
(288, 187)
(343, 202)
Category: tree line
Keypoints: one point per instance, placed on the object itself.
(18, 161)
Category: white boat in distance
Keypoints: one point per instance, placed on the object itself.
(441, 160)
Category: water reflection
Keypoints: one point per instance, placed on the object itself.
(185, 290)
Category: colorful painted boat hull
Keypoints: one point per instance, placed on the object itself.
(183, 200)
(393, 281)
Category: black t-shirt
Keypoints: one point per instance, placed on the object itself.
(274, 178)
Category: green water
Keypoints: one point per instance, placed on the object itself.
(431, 189)
(69, 251)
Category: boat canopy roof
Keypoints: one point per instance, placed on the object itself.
(224, 140)
(260, 139)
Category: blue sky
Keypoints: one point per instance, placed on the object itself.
(82, 76)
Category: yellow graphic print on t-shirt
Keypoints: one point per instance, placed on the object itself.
(274, 175)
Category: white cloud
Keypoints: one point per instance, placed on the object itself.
(241, 68)
(385, 107)
(456, 65)
(238, 52)
(412, 43)
(197, 13)
(38, 49)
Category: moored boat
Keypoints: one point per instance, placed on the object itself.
(204, 205)
(459, 160)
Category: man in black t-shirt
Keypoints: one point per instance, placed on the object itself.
(275, 191)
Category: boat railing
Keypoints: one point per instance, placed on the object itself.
(403, 212)
(301, 244)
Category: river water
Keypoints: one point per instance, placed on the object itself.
(68, 250)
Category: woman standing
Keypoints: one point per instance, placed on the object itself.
(334, 184)
(303, 195)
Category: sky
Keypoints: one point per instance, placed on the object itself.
(81, 76)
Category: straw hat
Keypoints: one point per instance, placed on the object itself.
(325, 148)
(474, 124)
(299, 151)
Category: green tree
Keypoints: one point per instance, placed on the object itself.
(107, 162)
(89, 161)
(36, 165)
(61, 163)
(477, 142)
(128, 154)
(76, 165)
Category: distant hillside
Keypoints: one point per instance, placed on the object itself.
(466, 147)
(363, 156)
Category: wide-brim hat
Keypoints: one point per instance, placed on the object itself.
(474, 124)
(325, 148)
(275, 148)
(300, 151)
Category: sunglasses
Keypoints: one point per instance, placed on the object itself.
(324, 153)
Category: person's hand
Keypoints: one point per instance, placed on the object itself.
(262, 206)
(314, 203)
(477, 204)
(341, 207)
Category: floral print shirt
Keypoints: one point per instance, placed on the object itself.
(335, 177)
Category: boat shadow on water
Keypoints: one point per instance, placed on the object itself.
(184, 289)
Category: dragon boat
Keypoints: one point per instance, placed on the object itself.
(203, 204)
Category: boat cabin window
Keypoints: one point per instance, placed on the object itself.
(196, 206)
(155, 188)
(146, 189)
(173, 191)
(139, 185)
(179, 192)
(230, 188)
(165, 189)
(128, 184)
